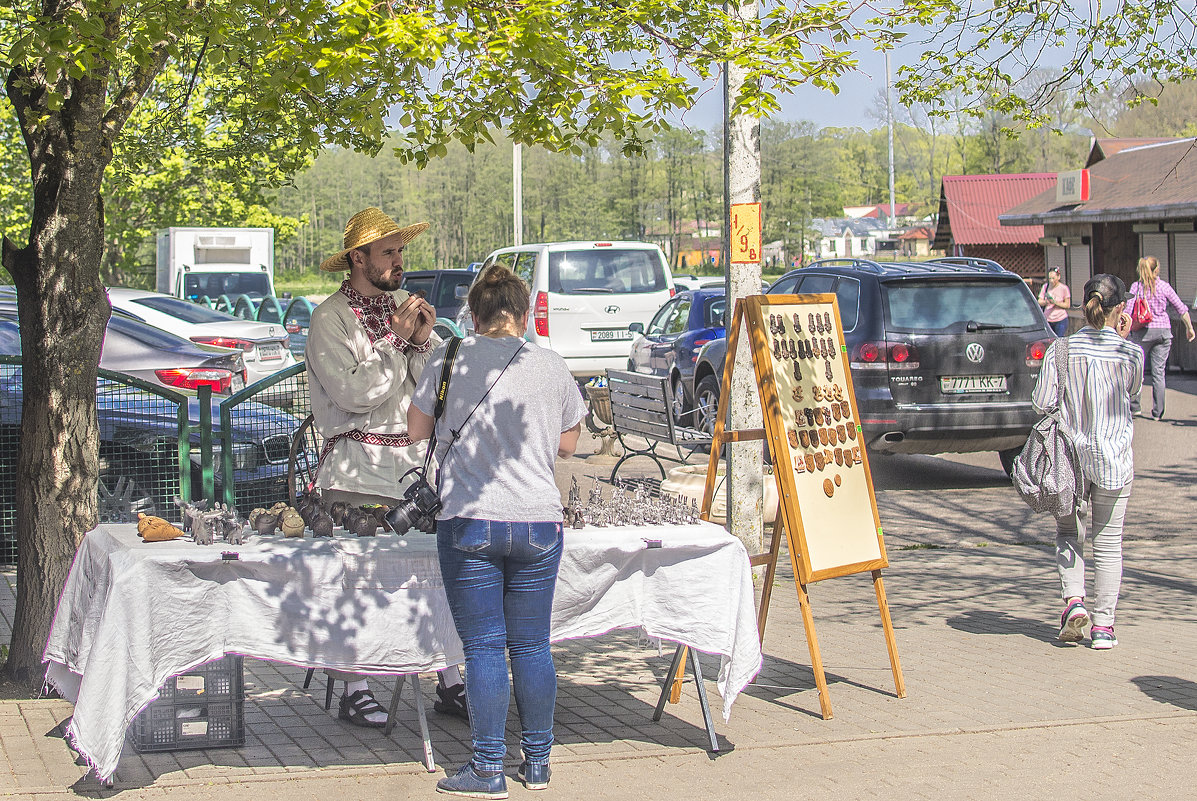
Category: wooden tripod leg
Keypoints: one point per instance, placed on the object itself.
(890, 642)
(762, 614)
(679, 676)
(816, 659)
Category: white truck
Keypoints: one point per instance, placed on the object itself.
(210, 262)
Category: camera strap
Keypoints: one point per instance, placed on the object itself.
(442, 392)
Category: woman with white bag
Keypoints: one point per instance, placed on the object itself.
(1104, 371)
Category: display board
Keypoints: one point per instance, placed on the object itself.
(820, 460)
(826, 504)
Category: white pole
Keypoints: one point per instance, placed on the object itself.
(889, 115)
(517, 190)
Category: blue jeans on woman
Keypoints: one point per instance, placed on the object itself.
(499, 578)
(1060, 327)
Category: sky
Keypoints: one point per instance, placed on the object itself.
(852, 107)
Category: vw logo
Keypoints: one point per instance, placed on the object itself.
(612, 310)
(974, 352)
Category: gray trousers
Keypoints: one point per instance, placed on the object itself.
(1107, 510)
(1156, 344)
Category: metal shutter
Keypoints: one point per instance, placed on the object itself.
(1185, 282)
(1157, 245)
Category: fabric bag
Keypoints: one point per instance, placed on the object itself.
(1047, 473)
(1140, 314)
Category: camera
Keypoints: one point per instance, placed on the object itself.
(417, 509)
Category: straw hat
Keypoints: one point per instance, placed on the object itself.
(369, 225)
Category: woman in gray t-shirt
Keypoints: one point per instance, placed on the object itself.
(511, 409)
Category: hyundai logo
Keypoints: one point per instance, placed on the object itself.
(974, 352)
(612, 310)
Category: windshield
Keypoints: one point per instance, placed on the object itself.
(952, 305)
(606, 271)
(185, 310)
(196, 285)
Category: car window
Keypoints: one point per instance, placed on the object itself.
(420, 282)
(299, 313)
(146, 334)
(816, 284)
(215, 284)
(606, 271)
(656, 326)
(847, 294)
(183, 309)
(525, 266)
(713, 315)
(446, 293)
(10, 338)
(784, 285)
(681, 317)
(946, 305)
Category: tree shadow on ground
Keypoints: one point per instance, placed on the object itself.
(1169, 690)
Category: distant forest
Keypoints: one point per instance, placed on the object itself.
(807, 172)
(667, 194)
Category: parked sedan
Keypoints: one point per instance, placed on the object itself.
(265, 347)
(296, 320)
(139, 445)
(139, 349)
(670, 344)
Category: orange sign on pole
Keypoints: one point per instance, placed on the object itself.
(746, 233)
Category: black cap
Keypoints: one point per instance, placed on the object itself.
(1109, 288)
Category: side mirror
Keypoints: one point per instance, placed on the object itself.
(636, 328)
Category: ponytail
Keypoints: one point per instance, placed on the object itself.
(1095, 315)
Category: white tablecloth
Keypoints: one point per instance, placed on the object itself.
(133, 614)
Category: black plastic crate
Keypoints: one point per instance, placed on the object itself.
(220, 679)
(202, 708)
(184, 725)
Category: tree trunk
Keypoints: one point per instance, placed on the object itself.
(63, 312)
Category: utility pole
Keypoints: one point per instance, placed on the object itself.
(742, 184)
(517, 191)
(889, 116)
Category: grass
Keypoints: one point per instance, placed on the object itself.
(307, 283)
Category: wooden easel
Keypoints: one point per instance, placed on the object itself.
(790, 467)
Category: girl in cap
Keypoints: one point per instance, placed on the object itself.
(1104, 372)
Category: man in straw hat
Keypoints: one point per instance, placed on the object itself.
(367, 346)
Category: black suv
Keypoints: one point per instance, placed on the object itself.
(944, 353)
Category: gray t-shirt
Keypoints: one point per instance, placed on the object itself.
(502, 466)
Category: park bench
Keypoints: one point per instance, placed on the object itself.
(642, 408)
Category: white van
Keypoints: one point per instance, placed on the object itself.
(584, 297)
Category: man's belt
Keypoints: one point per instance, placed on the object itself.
(400, 440)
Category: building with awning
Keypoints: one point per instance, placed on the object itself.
(969, 207)
(1136, 198)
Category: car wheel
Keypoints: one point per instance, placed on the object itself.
(681, 404)
(706, 404)
(1007, 458)
(121, 497)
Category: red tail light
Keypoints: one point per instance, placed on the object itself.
(225, 342)
(540, 314)
(883, 355)
(1036, 351)
(672, 291)
(195, 377)
(292, 327)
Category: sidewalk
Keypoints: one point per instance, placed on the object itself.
(996, 708)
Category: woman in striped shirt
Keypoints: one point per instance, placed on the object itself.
(1104, 372)
(1156, 338)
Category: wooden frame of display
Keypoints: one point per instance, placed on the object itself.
(847, 537)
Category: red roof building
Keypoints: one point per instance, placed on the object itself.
(969, 206)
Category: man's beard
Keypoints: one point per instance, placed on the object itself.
(378, 278)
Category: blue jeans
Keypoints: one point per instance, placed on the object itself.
(1060, 327)
(499, 578)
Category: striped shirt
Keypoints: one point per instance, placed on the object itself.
(1158, 303)
(1104, 371)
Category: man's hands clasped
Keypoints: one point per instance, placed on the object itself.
(413, 320)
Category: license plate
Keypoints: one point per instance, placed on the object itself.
(963, 384)
(270, 353)
(610, 335)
